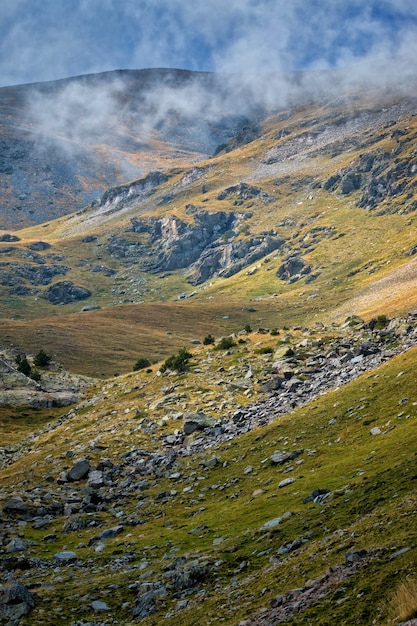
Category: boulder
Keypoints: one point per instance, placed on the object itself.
(79, 470)
(15, 602)
(196, 421)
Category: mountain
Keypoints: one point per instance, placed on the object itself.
(63, 143)
(233, 334)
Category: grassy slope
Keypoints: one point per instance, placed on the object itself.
(371, 478)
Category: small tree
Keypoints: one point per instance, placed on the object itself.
(208, 340)
(42, 359)
(23, 366)
(141, 363)
(178, 362)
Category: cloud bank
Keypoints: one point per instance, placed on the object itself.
(51, 39)
(269, 53)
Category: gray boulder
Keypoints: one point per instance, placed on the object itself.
(15, 602)
(79, 470)
(196, 421)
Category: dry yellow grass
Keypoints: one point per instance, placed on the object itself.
(404, 601)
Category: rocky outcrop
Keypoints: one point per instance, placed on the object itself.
(243, 192)
(210, 245)
(65, 292)
(118, 197)
(378, 177)
(53, 387)
(293, 269)
(226, 259)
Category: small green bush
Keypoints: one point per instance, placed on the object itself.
(265, 350)
(178, 362)
(225, 343)
(141, 363)
(42, 359)
(23, 365)
(274, 332)
(248, 328)
(208, 340)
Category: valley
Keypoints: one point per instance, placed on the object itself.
(224, 431)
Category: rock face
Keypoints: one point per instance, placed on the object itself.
(378, 178)
(208, 246)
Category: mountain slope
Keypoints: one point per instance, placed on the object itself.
(63, 143)
(311, 221)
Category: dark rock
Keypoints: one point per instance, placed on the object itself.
(355, 556)
(15, 602)
(16, 545)
(89, 239)
(16, 506)
(315, 494)
(75, 523)
(279, 458)
(109, 533)
(7, 237)
(65, 292)
(292, 268)
(351, 182)
(39, 246)
(79, 470)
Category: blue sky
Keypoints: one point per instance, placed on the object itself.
(50, 39)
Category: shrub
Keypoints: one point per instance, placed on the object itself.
(23, 365)
(208, 340)
(274, 332)
(265, 350)
(42, 359)
(178, 362)
(247, 328)
(225, 343)
(141, 363)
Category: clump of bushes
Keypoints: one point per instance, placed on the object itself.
(178, 362)
(23, 366)
(141, 364)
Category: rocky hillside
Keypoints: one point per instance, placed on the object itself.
(249, 457)
(269, 479)
(290, 223)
